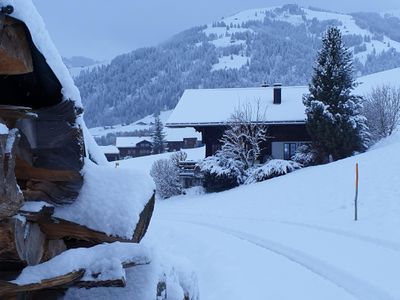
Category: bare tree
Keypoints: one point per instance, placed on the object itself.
(247, 130)
(382, 110)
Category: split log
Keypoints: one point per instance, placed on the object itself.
(11, 198)
(144, 221)
(21, 244)
(15, 53)
(53, 248)
(79, 279)
(76, 235)
(8, 288)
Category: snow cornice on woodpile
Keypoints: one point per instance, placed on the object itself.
(25, 11)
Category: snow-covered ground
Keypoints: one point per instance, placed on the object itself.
(144, 163)
(294, 237)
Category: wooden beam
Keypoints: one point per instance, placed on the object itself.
(15, 53)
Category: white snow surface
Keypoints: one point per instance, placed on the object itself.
(293, 237)
(3, 129)
(389, 77)
(144, 163)
(230, 62)
(104, 258)
(146, 123)
(25, 11)
(141, 283)
(110, 149)
(34, 206)
(171, 134)
(110, 200)
(193, 107)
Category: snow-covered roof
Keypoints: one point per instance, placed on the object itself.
(178, 134)
(25, 11)
(215, 106)
(131, 141)
(110, 149)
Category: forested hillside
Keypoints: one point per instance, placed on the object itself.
(273, 45)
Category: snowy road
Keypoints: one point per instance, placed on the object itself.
(239, 258)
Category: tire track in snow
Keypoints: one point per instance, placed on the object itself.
(355, 286)
(375, 241)
(355, 236)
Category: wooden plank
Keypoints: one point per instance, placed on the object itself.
(11, 198)
(15, 53)
(8, 288)
(144, 221)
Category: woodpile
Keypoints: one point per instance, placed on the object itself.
(29, 238)
(42, 153)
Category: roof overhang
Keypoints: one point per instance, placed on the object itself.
(211, 124)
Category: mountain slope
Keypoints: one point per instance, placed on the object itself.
(275, 44)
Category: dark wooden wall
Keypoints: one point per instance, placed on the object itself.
(276, 133)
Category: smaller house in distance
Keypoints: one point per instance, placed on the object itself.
(209, 111)
(111, 152)
(182, 138)
(133, 146)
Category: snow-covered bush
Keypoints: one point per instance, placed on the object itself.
(166, 177)
(177, 157)
(271, 169)
(382, 110)
(306, 155)
(242, 140)
(221, 173)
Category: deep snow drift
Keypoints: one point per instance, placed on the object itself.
(294, 237)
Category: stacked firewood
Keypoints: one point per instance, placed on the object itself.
(28, 236)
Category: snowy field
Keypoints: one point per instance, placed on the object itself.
(293, 237)
(144, 163)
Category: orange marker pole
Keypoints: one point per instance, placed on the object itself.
(356, 198)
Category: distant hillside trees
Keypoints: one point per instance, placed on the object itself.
(334, 115)
(382, 110)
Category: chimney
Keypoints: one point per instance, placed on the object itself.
(264, 84)
(277, 93)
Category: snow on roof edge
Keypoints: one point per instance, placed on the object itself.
(26, 11)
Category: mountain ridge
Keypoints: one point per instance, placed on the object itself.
(276, 44)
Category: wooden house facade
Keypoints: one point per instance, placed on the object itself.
(134, 146)
(209, 112)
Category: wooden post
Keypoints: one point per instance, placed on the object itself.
(356, 198)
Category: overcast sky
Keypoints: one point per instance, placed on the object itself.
(103, 29)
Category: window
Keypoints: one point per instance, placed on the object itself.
(289, 149)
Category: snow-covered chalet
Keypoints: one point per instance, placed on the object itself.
(209, 112)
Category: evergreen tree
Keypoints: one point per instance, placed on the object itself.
(158, 136)
(334, 120)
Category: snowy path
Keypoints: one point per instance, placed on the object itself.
(297, 261)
